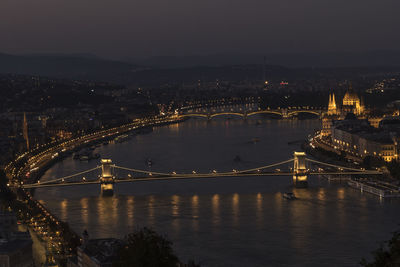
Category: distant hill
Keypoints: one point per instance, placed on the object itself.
(84, 67)
(179, 70)
(90, 67)
(293, 60)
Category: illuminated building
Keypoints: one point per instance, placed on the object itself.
(327, 123)
(349, 130)
(374, 121)
(352, 103)
(357, 137)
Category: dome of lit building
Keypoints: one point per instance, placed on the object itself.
(352, 103)
(350, 98)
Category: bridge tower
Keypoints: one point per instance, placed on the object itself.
(299, 169)
(285, 113)
(107, 178)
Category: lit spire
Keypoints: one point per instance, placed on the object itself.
(350, 86)
(25, 131)
(332, 104)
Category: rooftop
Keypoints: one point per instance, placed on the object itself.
(11, 246)
(102, 250)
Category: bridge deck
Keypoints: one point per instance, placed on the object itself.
(198, 176)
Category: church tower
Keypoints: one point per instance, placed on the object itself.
(332, 108)
(25, 131)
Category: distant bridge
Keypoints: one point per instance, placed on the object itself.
(107, 177)
(210, 113)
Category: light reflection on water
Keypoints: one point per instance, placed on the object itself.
(150, 209)
(84, 210)
(130, 208)
(230, 221)
(259, 214)
(195, 212)
(341, 193)
(64, 209)
(175, 213)
(175, 205)
(235, 209)
(215, 210)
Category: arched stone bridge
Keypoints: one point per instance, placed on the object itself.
(244, 113)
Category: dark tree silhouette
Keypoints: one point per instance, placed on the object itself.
(394, 169)
(6, 196)
(387, 255)
(146, 248)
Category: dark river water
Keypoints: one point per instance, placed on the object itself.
(240, 221)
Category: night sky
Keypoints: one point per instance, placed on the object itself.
(131, 28)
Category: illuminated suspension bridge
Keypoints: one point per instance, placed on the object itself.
(301, 168)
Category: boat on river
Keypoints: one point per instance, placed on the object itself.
(85, 155)
(121, 138)
(289, 195)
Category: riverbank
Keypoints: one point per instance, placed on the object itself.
(61, 241)
(380, 185)
(42, 160)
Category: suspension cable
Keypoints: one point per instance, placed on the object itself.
(267, 167)
(142, 171)
(70, 176)
(200, 174)
(335, 166)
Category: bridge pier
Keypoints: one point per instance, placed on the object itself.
(106, 179)
(300, 170)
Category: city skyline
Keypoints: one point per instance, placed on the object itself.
(199, 133)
